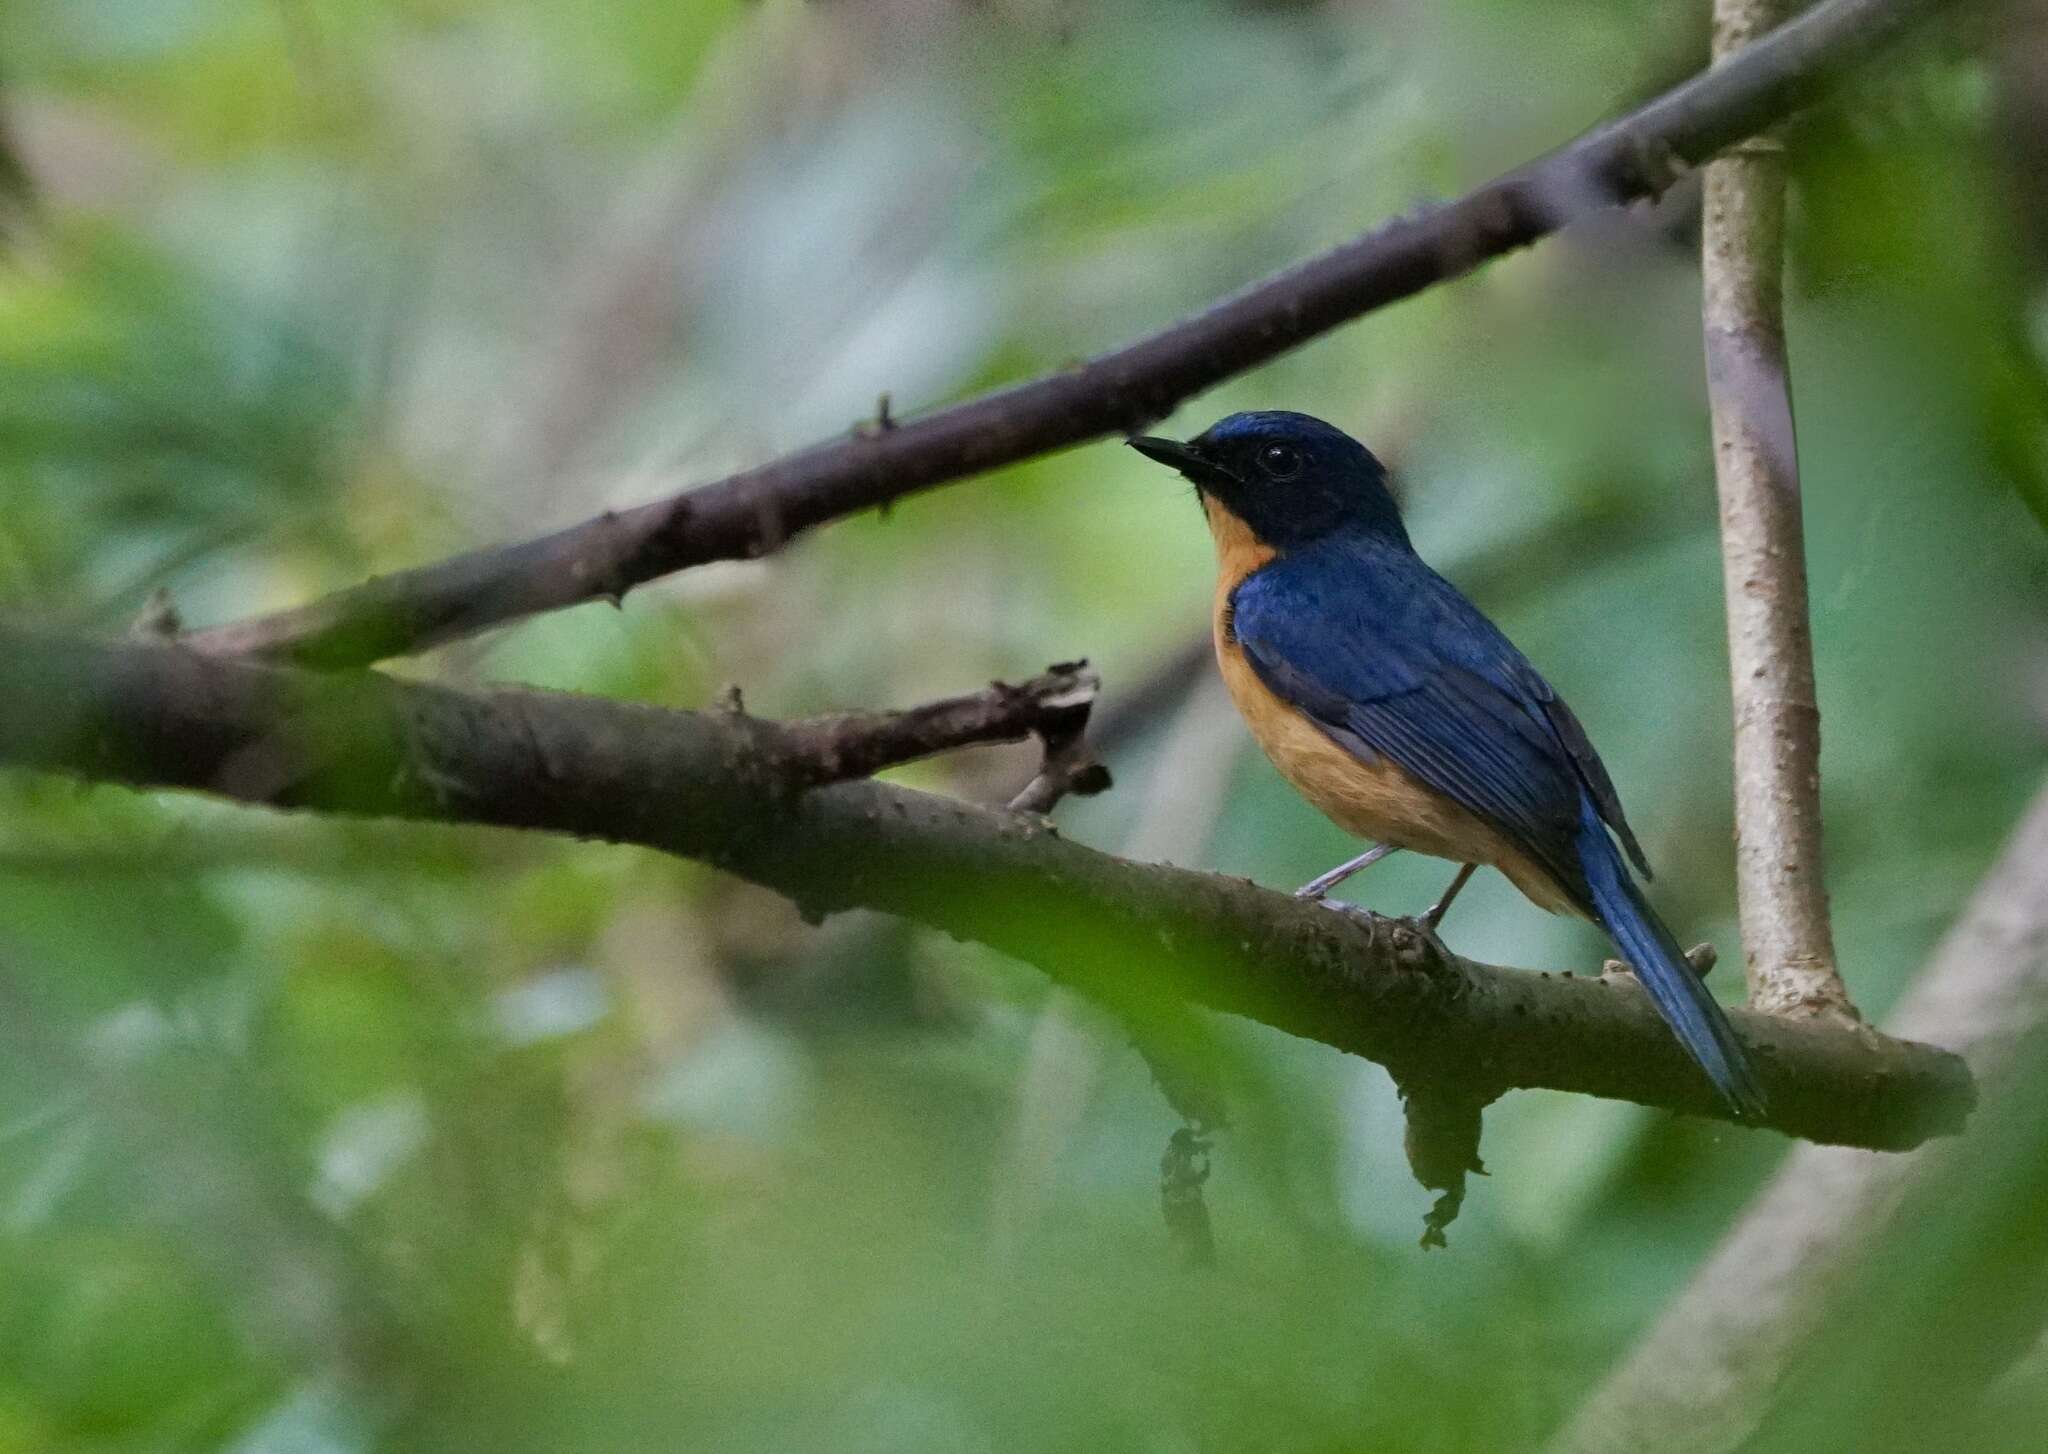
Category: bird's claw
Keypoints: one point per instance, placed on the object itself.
(1354, 911)
(1421, 927)
(1372, 922)
(1417, 928)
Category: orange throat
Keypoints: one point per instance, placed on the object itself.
(1370, 796)
(1238, 551)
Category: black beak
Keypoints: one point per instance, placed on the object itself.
(1185, 458)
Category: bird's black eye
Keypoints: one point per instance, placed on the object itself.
(1280, 461)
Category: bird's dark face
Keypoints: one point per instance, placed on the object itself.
(1290, 478)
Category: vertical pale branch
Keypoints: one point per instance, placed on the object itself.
(1783, 899)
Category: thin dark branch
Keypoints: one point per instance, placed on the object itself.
(715, 786)
(1053, 707)
(758, 510)
(1070, 765)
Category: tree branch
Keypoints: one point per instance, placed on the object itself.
(1701, 1380)
(1052, 707)
(1070, 765)
(718, 786)
(1780, 887)
(756, 511)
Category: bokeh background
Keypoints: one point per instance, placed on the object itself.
(329, 1136)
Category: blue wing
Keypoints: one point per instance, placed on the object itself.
(1390, 660)
(1393, 663)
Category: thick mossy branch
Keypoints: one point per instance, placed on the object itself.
(758, 510)
(719, 786)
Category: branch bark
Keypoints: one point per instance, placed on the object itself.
(1704, 1376)
(1052, 707)
(758, 510)
(719, 787)
(1781, 891)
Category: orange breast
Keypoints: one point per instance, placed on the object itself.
(1373, 798)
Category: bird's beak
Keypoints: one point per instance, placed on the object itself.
(1185, 458)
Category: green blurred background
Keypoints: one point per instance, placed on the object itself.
(327, 1136)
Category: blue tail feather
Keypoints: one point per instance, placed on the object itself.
(1660, 965)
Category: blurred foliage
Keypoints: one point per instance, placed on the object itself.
(330, 1136)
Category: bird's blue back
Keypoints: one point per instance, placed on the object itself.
(1391, 659)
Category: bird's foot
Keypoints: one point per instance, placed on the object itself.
(1373, 924)
(1416, 929)
(1338, 906)
(1423, 927)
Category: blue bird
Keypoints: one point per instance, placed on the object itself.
(1392, 704)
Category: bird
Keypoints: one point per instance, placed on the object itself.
(1392, 703)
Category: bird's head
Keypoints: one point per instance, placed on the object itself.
(1288, 478)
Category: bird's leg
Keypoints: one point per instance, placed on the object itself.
(1442, 906)
(1321, 885)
